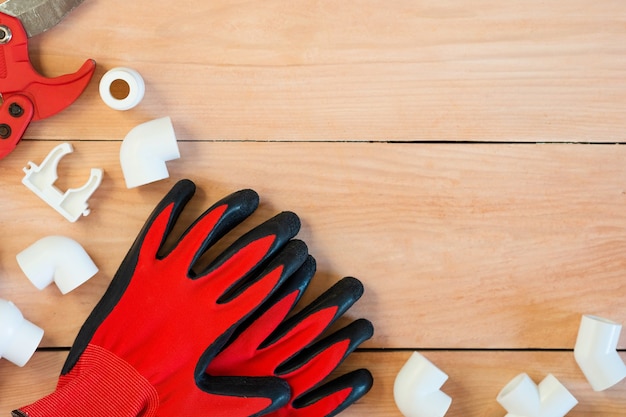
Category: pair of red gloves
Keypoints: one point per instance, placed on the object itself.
(169, 339)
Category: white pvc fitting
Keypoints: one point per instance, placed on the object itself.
(56, 259)
(596, 352)
(145, 150)
(136, 88)
(523, 398)
(416, 389)
(19, 337)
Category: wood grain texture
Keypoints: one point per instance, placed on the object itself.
(414, 140)
(353, 70)
(482, 246)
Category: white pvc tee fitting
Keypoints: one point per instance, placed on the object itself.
(523, 398)
(145, 150)
(19, 337)
(596, 352)
(134, 81)
(56, 259)
(416, 389)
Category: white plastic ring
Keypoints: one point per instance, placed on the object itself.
(136, 88)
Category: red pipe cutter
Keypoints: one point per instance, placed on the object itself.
(26, 94)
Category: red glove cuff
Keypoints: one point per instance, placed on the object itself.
(100, 385)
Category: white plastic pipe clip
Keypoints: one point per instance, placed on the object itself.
(596, 352)
(56, 259)
(19, 337)
(145, 150)
(417, 389)
(523, 398)
(40, 179)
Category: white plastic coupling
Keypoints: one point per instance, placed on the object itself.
(19, 337)
(40, 179)
(135, 90)
(523, 398)
(145, 150)
(596, 352)
(56, 259)
(417, 389)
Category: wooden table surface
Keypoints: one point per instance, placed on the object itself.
(464, 159)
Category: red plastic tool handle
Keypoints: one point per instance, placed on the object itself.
(21, 84)
(15, 115)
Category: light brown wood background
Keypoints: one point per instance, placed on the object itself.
(464, 159)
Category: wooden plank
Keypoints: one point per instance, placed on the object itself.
(324, 70)
(460, 246)
(22, 386)
(483, 246)
(475, 378)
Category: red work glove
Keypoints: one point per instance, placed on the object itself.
(144, 348)
(290, 348)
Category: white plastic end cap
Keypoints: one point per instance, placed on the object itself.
(145, 150)
(56, 259)
(136, 88)
(19, 338)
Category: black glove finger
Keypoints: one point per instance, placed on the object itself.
(316, 317)
(320, 401)
(174, 202)
(211, 226)
(285, 263)
(330, 351)
(248, 254)
(274, 389)
(233, 209)
(250, 294)
(264, 320)
(291, 261)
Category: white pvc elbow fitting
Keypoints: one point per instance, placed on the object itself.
(523, 398)
(416, 389)
(56, 259)
(145, 150)
(19, 337)
(596, 352)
